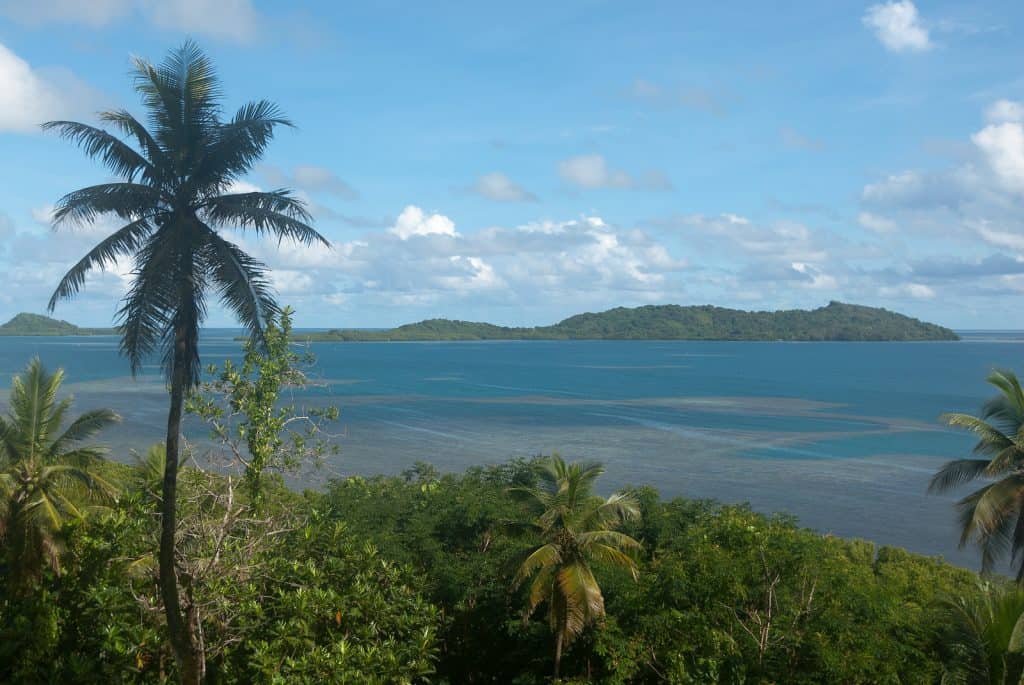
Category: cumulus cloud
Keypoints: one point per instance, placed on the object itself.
(32, 95)
(1003, 111)
(500, 188)
(917, 291)
(231, 20)
(592, 172)
(413, 221)
(898, 26)
(1002, 146)
(981, 196)
(423, 262)
(878, 224)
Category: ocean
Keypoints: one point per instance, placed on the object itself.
(843, 435)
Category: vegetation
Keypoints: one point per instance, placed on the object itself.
(422, 578)
(46, 476)
(984, 639)
(36, 324)
(216, 572)
(992, 516)
(175, 196)
(837, 321)
(577, 529)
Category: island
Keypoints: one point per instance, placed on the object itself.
(837, 321)
(36, 324)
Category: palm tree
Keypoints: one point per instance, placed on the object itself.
(984, 639)
(46, 476)
(576, 528)
(991, 516)
(175, 195)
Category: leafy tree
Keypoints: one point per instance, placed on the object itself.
(577, 528)
(176, 195)
(984, 638)
(243, 406)
(47, 477)
(992, 515)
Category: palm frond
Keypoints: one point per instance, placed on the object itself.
(128, 201)
(274, 213)
(545, 556)
(242, 283)
(238, 144)
(121, 243)
(957, 472)
(114, 153)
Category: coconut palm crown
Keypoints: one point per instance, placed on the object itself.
(983, 639)
(576, 528)
(177, 190)
(47, 476)
(991, 516)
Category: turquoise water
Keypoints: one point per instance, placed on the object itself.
(844, 435)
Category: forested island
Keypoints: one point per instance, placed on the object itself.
(836, 321)
(37, 324)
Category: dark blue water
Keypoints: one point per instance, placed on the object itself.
(844, 435)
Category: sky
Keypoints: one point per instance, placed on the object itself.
(520, 163)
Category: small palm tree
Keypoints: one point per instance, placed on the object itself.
(984, 639)
(175, 197)
(46, 476)
(992, 515)
(577, 528)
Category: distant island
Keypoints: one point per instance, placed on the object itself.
(37, 324)
(837, 321)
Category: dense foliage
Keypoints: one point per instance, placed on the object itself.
(37, 324)
(724, 594)
(837, 321)
(408, 579)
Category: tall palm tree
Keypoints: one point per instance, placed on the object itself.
(984, 638)
(992, 516)
(175, 196)
(576, 528)
(46, 476)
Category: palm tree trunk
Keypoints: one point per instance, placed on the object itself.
(558, 653)
(189, 659)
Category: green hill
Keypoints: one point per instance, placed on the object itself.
(37, 324)
(836, 321)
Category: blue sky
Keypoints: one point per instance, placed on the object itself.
(521, 163)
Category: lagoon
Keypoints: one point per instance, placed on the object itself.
(843, 435)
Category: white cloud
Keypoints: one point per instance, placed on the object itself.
(999, 238)
(1002, 146)
(500, 188)
(413, 221)
(878, 224)
(1002, 111)
(898, 26)
(31, 96)
(917, 291)
(592, 172)
(232, 20)
(89, 12)
(309, 178)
